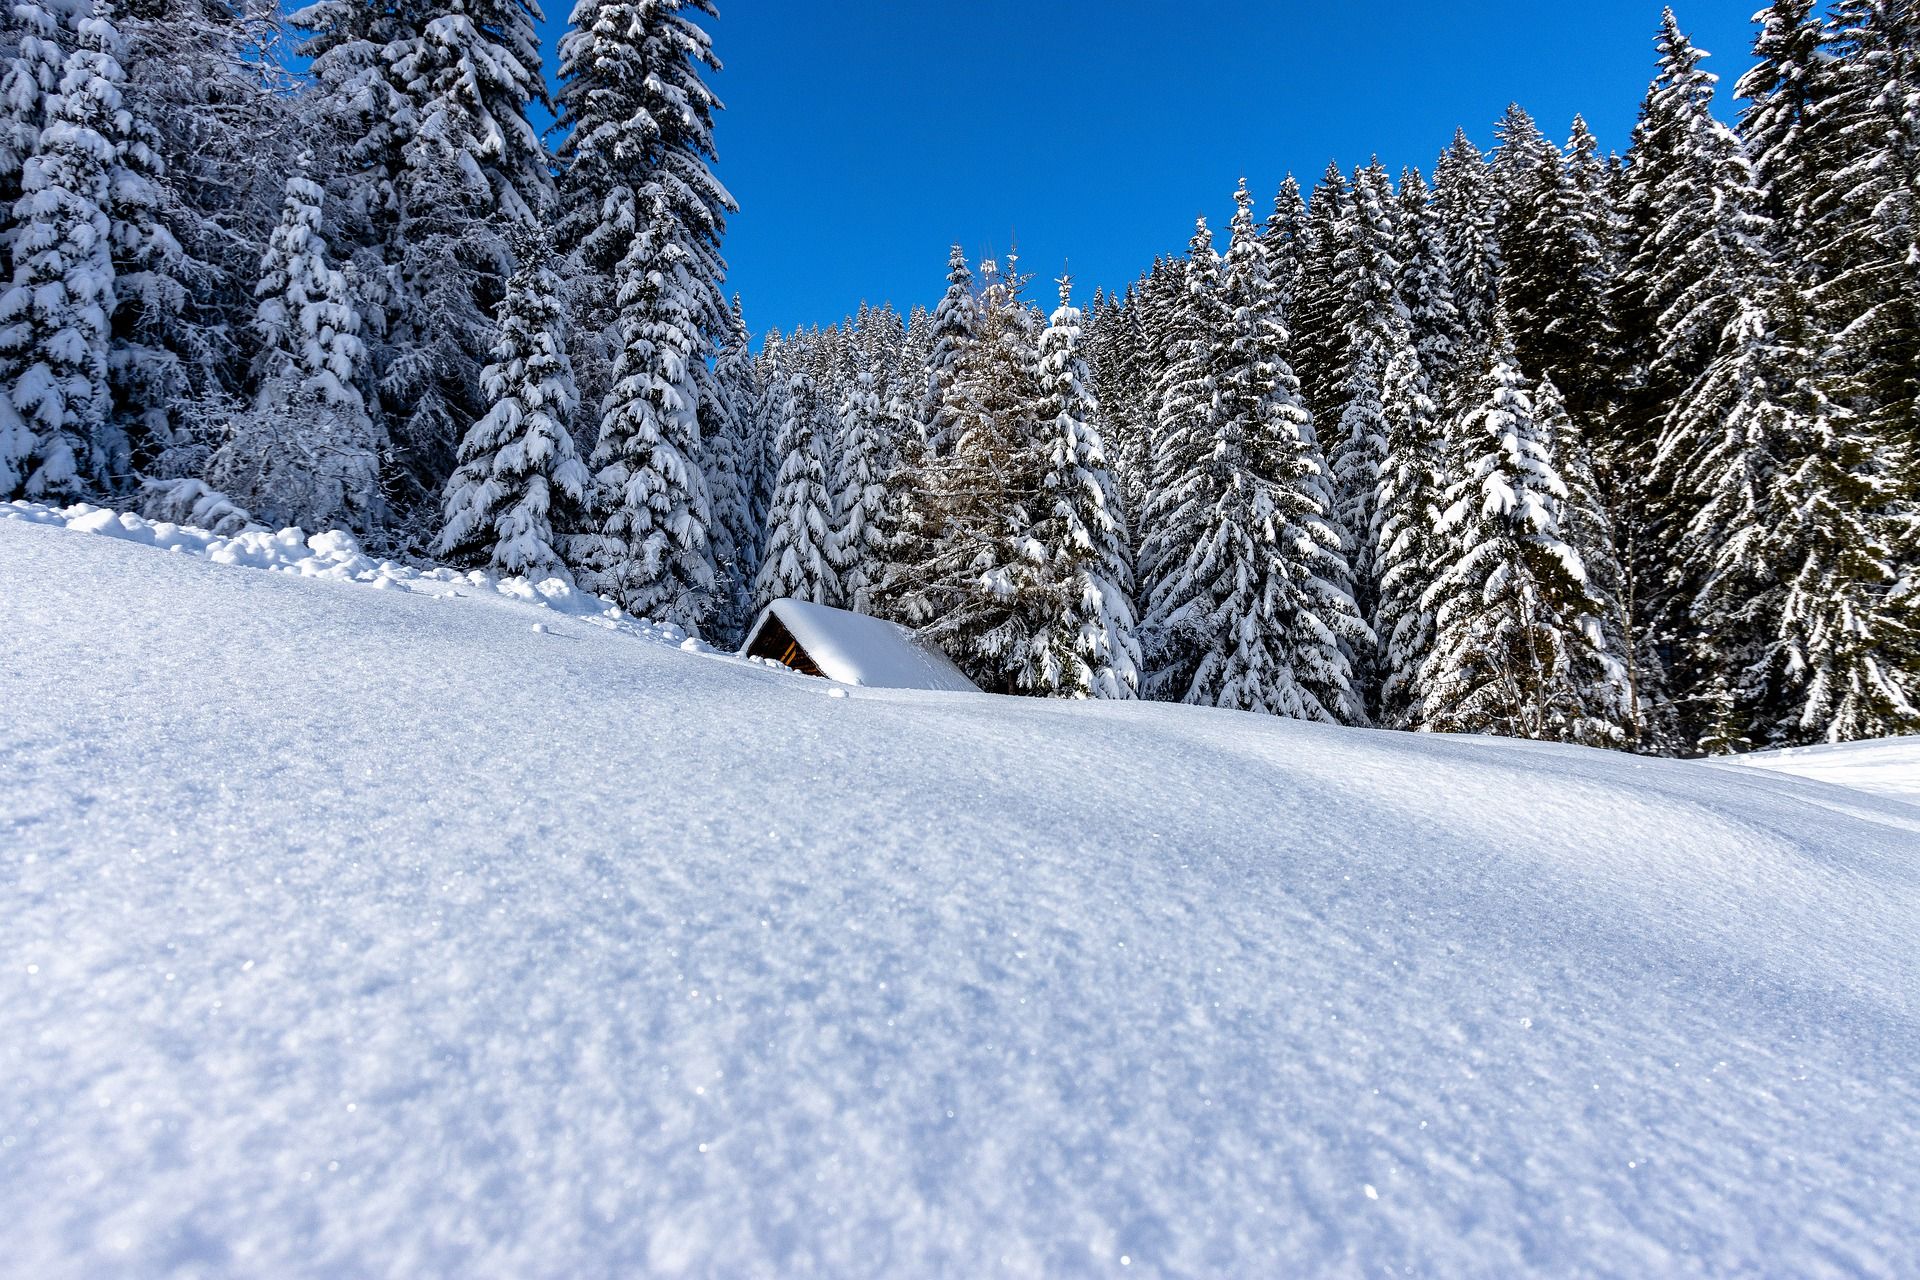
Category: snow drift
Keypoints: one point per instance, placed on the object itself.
(356, 931)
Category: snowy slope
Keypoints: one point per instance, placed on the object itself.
(358, 932)
(1890, 767)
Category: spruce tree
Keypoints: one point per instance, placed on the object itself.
(649, 549)
(1320, 350)
(1863, 229)
(972, 594)
(733, 456)
(1378, 338)
(799, 560)
(427, 104)
(306, 452)
(55, 318)
(955, 323)
(1084, 645)
(1466, 201)
(1516, 643)
(863, 455)
(1252, 609)
(519, 479)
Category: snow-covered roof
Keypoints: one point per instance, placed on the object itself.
(856, 649)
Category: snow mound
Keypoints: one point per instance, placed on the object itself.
(1890, 767)
(352, 932)
(334, 555)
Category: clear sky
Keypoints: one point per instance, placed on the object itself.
(863, 137)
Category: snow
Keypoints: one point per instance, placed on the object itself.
(1888, 767)
(860, 650)
(358, 932)
(336, 556)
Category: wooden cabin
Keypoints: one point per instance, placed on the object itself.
(851, 648)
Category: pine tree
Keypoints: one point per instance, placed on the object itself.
(1863, 230)
(1516, 639)
(799, 561)
(651, 550)
(1320, 351)
(864, 463)
(1421, 374)
(1465, 199)
(30, 73)
(1186, 423)
(55, 318)
(1553, 267)
(306, 453)
(1846, 648)
(1378, 338)
(732, 460)
(1780, 123)
(1252, 609)
(955, 324)
(1286, 239)
(429, 104)
(1084, 645)
(1426, 289)
(519, 478)
(1586, 525)
(972, 594)
(221, 117)
(1696, 239)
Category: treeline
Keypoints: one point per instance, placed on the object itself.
(1549, 443)
(335, 298)
(1555, 444)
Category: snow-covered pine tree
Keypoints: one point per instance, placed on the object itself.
(974, 593)
(1516, 640)
(31, 59)
(644, 214)
(734, 456)
(1586, 525)
(1426, 289)
(1520, 152)
(799, 560)
(1252, 608)
(649, 548)
(222, 116)
(55, 318)
(1781, 123)
(1846, 651)
(1553, 268)
(306, 453)
(956, 322)
(1466, 200)
(925, 392)
(1186, 405)
(863, 458)
(1378, 336)
(520, 482)
(1084, 645)
(1863, 230)
(1696, 238)
(427, 103)
(1286, 239)
(1320, 336)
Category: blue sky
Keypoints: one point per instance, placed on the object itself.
(862, 137)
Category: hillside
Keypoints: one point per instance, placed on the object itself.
(370, 932)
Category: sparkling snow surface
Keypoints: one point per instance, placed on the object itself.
(357, 932)
(1890, 767)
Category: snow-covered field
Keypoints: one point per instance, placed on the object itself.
(383, 933)
(1890, 767)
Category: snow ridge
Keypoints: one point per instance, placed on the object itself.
(335, 555)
